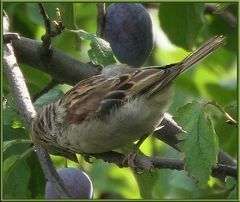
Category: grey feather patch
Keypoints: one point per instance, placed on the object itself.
(118, 94)
(123, 78)
(126, 86)
(108, 105)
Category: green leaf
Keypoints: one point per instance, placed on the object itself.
(146, 182)
(51, 96)
(33, 80)
(8, 164)
(182, 22)
(221, 94)
(67, 14)
(5, 87)
(7, 144)
(200, 145)
(37, 179)
(10, 134)
(231, 185)
(16, 175)
(227, 134)
(36, 17)
(9, 110)
(100, 52)
(217, 26)
(11, 117)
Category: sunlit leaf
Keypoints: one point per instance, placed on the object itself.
(200, 145)
(100, 52)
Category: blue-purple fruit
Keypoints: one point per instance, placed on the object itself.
(76, 181)
(129, 30)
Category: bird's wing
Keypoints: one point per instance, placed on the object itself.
(97, 95)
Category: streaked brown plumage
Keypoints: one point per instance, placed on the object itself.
(111, 110)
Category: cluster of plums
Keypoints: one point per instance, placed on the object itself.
(76, 181)
(129, 30)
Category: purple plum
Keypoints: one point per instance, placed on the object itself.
(76, 181)
(129, 30)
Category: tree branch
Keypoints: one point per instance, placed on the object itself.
(61, 67)
(18, 86)
(168, 131)
(148, 163)
(27, 113)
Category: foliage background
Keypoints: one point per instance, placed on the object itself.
(213, 79)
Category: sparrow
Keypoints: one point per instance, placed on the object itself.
(113, 109)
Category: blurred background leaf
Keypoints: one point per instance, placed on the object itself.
(182, 22)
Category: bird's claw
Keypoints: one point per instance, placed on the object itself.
(130, 161)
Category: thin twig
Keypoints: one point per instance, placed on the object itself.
(45, 18)
(100, 19)
(46, 38)
(51, 174)
(230, 120)
(225, 15)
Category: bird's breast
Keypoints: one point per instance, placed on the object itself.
(123, 126)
